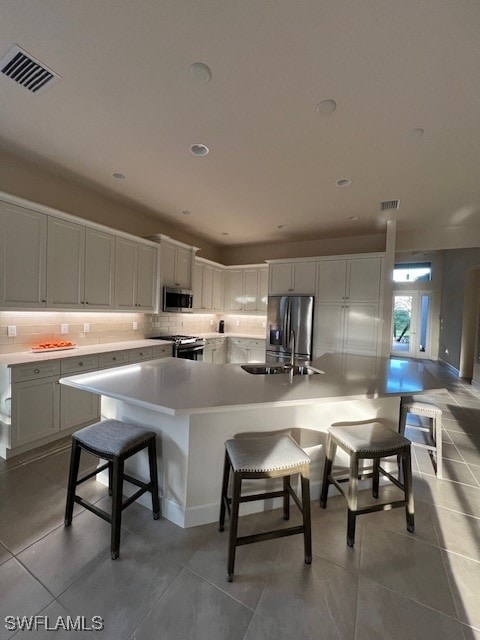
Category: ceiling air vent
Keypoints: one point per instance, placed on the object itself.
(389, 204)
(25, 70)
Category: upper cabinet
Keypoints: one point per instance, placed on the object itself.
(353, 279)
(80, 266)
(23, 272)
(176, 264)
(292, 277)
(247, 290)
(207, 286)
(135, 275)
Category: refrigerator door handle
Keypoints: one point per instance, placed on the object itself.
(285, 324)
(288, 323)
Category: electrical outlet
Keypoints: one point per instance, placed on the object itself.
(237, 322)
(11, 331)
(264, 325)
(211, 323)
(64, 328)
(86, 327)
(447, 352)
(135, 326)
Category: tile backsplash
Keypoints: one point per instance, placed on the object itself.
(36, 326)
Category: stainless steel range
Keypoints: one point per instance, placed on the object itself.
(187, 347)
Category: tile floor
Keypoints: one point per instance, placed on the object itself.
(169, 583)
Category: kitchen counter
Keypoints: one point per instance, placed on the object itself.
(247, 336)
(195, 406)
(24, 357)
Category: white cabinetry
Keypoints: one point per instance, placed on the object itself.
(215, 350)
(78, 408)
(292, 277)
(207, 286)
(244, 350)
(80, 263)
(247, 289)
(356, 279)
(23, 235)
(135, 275)
(176, 264)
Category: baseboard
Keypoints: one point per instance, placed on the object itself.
(450, 367)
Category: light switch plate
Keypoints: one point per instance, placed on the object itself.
(135, 326)
(86, 327)
(11, 330)
(64, 328)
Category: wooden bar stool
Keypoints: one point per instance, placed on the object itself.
(258, 458)
(429, 438)
(372, 441)
(115, 442)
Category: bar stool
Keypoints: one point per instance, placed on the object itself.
(115, 442)
(371, 441)
(257, 458)
(429, 438)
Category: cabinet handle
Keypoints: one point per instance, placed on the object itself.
(80, 364)
(44, 302)
(36, 371)
(114, 359)
(87, 302)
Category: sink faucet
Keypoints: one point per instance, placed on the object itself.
(292, 349)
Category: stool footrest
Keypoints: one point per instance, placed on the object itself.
(91, 507)
(135, 496)
(261, 496)
(269, 535)
(91, 474)
(381, 507)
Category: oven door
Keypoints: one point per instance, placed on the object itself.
(190, 352)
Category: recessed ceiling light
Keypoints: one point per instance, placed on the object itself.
(326, 107)
(343, 182)
(199, 149)
(353, 217)
(414, 134)
(281, 226)
(186, 213)
(200, 72)
(225, 233)
(119, 176)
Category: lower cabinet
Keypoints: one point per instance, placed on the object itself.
(215, 351)
(35, 410)
(245, 350)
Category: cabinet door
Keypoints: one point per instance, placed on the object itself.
(361, 329)
(219, 354)
(262, 289)
(207, 287)
(146, 278)
(217, 296)
(208, 353)
(303, 277)
(125, 273)
(237, 352)
(250, 292)
(235, 290)
(35, 409)
(280, 278)
(328, 327)
(78, 408)
(168, 253)
(65, 264)
(99, 269)
(364, 279)
(331, 280)
(197, 285)
(23, 241)
(183, 268)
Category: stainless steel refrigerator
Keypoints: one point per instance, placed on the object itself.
(284, 314)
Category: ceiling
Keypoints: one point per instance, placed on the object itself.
(127, 102)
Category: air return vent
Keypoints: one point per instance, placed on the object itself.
(389, 204)
(25, 70)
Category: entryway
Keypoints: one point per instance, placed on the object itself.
(411, 324)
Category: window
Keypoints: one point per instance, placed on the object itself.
(412, 272)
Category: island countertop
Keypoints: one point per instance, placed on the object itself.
(183, 387)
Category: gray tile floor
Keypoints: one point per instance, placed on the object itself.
(169, 583)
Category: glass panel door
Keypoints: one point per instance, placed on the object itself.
(411, 324)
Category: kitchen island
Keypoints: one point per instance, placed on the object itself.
(195, 406)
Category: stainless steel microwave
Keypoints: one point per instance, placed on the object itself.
(177, 300)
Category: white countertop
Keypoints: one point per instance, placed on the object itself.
(24, 357)
(176, 386)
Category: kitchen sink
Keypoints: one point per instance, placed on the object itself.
(268, 370)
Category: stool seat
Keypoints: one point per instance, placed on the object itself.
(276, 456)
(113, 438)
(420, 405)
(369, 440)
(429, 438)
(261, 455)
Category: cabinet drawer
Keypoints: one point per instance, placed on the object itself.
(135, 355)
(39, 370)
(115, 359)
(79, 364)
(163, 351)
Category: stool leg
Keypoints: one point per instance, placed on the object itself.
(224, 496)
(352, 499)
(152, 463)
(307, 522)
(327, 470)
(232, 541)
(286, 498)
(407, 479)
(72, 481)
(438, 443)
(110, 472)
(376, 477)
(117, 484)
